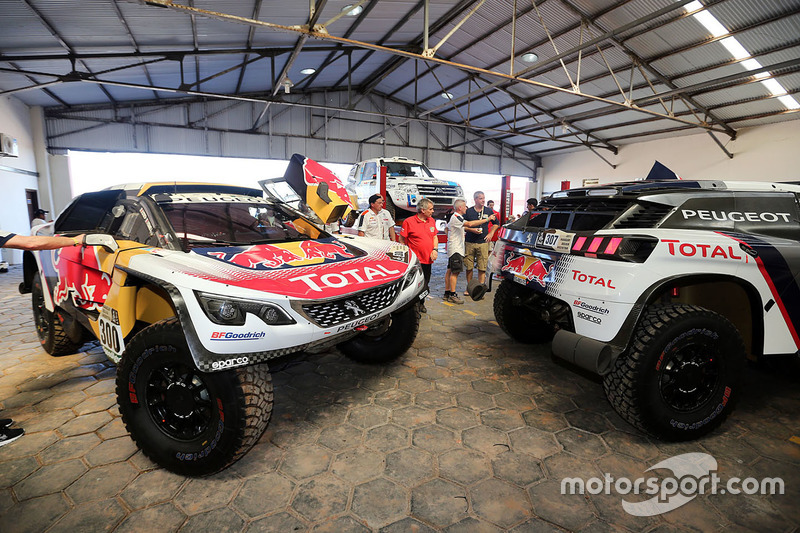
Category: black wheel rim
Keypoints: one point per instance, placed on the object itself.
(39, 311)
(690, 374)
(179, 401)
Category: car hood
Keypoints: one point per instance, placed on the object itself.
(313, 269)
(415, 180)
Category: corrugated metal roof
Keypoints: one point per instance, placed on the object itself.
(674, 44)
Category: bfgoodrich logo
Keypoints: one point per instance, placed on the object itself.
(693, 474)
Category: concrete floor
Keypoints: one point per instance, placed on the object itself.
(468, 431)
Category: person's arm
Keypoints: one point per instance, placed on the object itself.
(392, 235)
(471, 224)
(361, 233)
(41, 242)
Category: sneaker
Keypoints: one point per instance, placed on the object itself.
(5, 422)
(454, 299)
(422, 308)
(10, 435)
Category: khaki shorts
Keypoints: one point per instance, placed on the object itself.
(476, 252)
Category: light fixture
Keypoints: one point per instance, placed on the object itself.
(447, 96)
(351, 11)
(287, 84)
(307, 71)
(530, 57)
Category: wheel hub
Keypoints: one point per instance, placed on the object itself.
(689, 375)
(179, 399)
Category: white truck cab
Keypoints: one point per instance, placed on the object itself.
(407, 181)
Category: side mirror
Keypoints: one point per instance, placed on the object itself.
(102, 239)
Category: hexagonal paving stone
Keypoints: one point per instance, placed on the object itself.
(379, 383)
(113, 429)
(407, 525)
(380, 502)
(95, 516)
(152, 487)
(513, 401)
(517, 468)
(489, 386)
(434, 439)
(393, 399)
(37, 514)
(218, 520)
(434, 399)
(111, 451)
(485, 439)
(326, 415)
(95, 404)
(343, 523)
(452, 385)
(305, 461)
(414, 385)
(100, 481)
(49, 479)
(164, 517)
(464, 466)
(69, 448)
(554, 403)
(500, 503)
(570, 511)
(323, 496)
(502, 419)
(472, 525)
(85, 424)
(368, 416)
(409, 466)
(588, 421)
(276, 523)
(534, 442)
(457, 417)
(439, 502)
(16, 469)
(386, 438)
(47, 421)
(545, 420)
(413, 416)
(475, 400)
(581, 443)
(30, 445)
(203, 494)
(358, 465)
(340, 437)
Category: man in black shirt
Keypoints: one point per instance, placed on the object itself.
(477, 239)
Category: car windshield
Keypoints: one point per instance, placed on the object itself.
(243, 222)
(407, 169)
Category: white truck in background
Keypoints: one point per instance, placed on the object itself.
(407, 181)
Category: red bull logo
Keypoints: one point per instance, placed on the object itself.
(314, 174)
(80, 278)
(527, 267)
(264, 256)
(324, 250)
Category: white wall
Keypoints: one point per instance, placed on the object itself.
(763, 153)
(15, 120)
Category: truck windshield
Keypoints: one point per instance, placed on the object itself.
(407, 169)
(204, 224)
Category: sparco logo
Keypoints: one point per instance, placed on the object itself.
(353, 307)
(590, 318)
(591, 308)
(227, 363)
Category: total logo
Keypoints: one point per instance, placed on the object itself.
(231, 336)
(708, 251)
(580, 277)
(591, 308)
(228, 363)
(336, 280)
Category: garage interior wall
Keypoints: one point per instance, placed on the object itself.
(763, 153)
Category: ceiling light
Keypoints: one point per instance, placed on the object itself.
(351, 11)
(789, 102)
(287, 85)
(307, 71)
(530, 57)
(447, 96)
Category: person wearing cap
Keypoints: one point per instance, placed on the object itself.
(39, 218)
(26, 242)
(376, 222)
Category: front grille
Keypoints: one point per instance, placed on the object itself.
(436, 190)
(335, 312)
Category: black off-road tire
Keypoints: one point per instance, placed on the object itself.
(385, 341)
(681, 375)
(517, 320)
(189, 422)
(49, 329)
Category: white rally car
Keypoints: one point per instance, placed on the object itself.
(192, 288)
(664, 288)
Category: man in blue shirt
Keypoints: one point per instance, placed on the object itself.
(478, 238)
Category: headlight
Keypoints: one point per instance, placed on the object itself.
(232, 311)
(459, 191)
(411, 275)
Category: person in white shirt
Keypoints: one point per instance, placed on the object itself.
(39, 218)
(376, 222)
(456, 248)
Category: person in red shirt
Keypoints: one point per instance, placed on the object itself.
(419, 234)
(496, 234)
